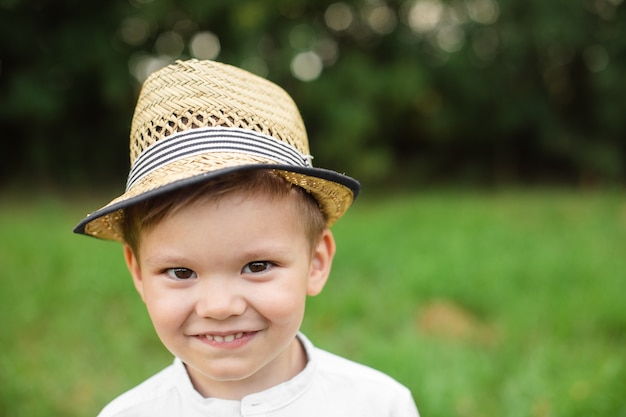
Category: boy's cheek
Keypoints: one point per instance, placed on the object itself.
(162, 307)
(280, 307)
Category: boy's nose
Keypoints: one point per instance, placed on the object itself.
(219, 300)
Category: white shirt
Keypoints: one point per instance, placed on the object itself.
(329, 386)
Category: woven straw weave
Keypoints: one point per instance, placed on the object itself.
(179, 98)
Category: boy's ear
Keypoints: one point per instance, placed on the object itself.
(321, 262)
(133, 267)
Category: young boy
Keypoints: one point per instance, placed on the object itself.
(225, 225)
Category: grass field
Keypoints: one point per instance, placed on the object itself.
(484, 304)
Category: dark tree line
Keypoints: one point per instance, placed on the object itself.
(395, 92)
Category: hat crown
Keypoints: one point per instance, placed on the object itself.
(195, 94)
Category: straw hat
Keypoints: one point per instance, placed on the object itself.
(196, 120)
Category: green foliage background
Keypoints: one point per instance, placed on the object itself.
(495, 91)
(484, 304)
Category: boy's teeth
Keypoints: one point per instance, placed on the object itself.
(225, 339)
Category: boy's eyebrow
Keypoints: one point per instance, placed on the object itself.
(267, 252)
(263, 253)
(166, 260)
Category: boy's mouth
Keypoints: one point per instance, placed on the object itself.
(225, 338)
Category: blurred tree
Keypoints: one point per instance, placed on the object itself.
(398, 91)
(66, 94)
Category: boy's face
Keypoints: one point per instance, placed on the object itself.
(225, 285)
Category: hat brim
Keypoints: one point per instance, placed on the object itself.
(333, 191)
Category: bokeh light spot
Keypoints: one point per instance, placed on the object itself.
(306, 66)
(205, 45)
(338, 16)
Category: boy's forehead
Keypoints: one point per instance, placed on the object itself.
(220, 216)
(295, 210)
(240, 200)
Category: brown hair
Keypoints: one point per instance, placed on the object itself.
(142, 216)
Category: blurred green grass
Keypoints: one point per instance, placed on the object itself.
(506, 303)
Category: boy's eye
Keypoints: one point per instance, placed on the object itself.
(180, 273)
(256, 267)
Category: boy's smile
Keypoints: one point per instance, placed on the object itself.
(225, 284)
